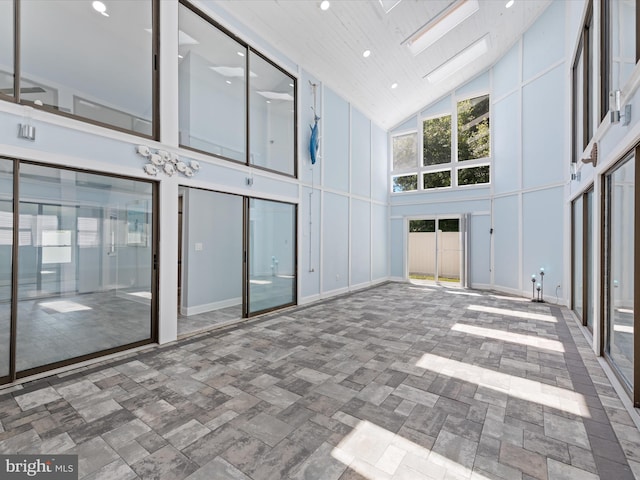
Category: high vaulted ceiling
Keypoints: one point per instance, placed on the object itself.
(329, 44)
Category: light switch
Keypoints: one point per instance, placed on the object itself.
(198, 247)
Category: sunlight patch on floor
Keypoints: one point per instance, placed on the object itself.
(512, 385)
(529, 340)
(514, 313)
(376, 454)
(64, 306)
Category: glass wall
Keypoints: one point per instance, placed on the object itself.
(6, 48)
(6, 252)
(272, 116)
(85, 265)
(76, 71)
(578, 257)
(589, 312)
(272, 255)
(619, 229)
(212, 88)
(623, 41)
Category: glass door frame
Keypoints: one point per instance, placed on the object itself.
(586, 261)
(246, 266)
(155, 271)
(462, 236)
(605, 291)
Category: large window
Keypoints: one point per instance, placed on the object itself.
(212, 88)
(583, 88)
(456, 150)
(620, 53)
(582, 258)
(620, 285)
(97, 64)
(6, 253)
(219, 115)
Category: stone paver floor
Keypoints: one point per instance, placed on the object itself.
(395, 382)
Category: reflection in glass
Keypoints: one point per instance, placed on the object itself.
(6, 252)
(404, 151)
(474, 175)
(421, 249)
(405, 183)
(272, 116)
(473, 128)
(436, 145)
(578, 229)
(85, 264)
(6, 48)
(437, 179)
(113, 78)
(620, 194)
(578, 102)
(623, 42)
(212, 90)
(272, 254)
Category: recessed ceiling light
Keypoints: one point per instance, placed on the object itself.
(268, 101)
(228, 82)
(394, 85)
(366, 53)
(291, 85)
(180, 56)
(510, 3)
(324, 5)
(241, 53)
(100, 8)
(441, 24)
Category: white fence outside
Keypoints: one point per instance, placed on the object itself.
(422, 258)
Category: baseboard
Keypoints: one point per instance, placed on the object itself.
(208, 307)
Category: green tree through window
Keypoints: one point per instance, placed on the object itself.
(473, 128)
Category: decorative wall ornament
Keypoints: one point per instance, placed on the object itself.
(169, 163)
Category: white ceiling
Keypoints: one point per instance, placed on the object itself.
(329, 44)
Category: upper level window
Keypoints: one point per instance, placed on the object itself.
(214, 71)
(473, 128)
(436, 140)
(582, 72)
(212, 86)
(6, 48)
(405, 151)
(94, 61)
(272, 116)
(455, 150)
(620, 52)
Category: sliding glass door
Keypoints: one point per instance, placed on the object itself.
(80, 279)
(6, 255)
(582, 258)
(620, 199)
(271, 262)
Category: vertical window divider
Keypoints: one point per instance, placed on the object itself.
(636, 284)
(247, 79)
(155, 52)
(245, 257)
(14, 271)
(16, 50)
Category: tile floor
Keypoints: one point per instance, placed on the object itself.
(395, 382)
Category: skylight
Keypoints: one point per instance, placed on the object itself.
(441, 24)
(462, 59)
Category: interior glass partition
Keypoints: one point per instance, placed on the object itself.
(86, 270)
(6, 254)
(619, 268)
(77, 72)
(212, 88)
(589, 312)
(6, 48)
(272, 116)
(272, 255)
